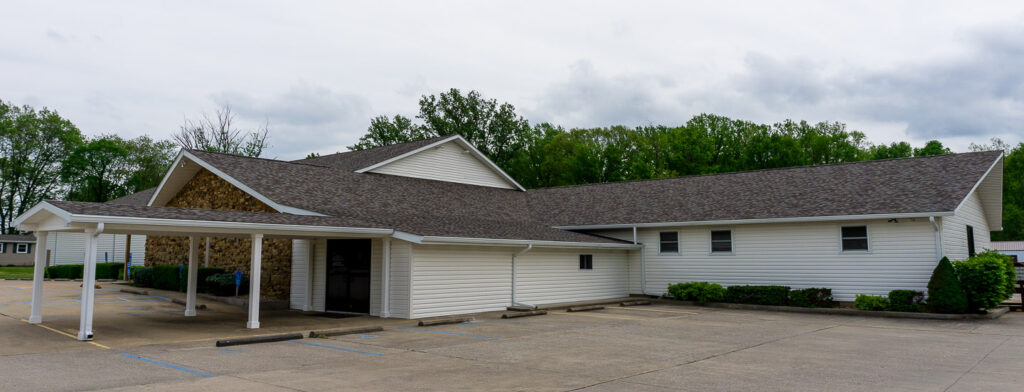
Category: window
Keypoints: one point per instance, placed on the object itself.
(3, 247)
(669, 242)
(586, 262)
(970, 241)
(855, 238)
(721, 241)
(21, 248)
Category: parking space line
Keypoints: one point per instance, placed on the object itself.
(336, 348)
(68, 335)
(655, 310)
(449, 333)
(602, 315)
(175, 367)
(540, 324)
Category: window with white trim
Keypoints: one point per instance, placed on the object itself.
(586, 262)
(669, 241)
(21, 248)
(855, 238)
(721, 241)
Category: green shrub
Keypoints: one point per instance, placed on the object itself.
(71, 271)
(109, 270)
(142, 276)
(165, 277)
(814, 297)
(224, 285)
(987, 279)
(201, 276)
(702, 292)
(945, 295)
(906, 301)
(871, 302)
(758, 295)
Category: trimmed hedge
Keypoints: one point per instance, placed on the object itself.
(871, 302)
(945, 295)
(758, 295)
(814, 297)
(175, 278)
(165, 277)
(74, 271)
(702, 292)
(987, 279)
(906, 301)
(142, 276)
(223, 285)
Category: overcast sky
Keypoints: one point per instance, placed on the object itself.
(319, 72)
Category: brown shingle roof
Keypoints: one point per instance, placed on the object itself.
(17, 238)
(140, 198)
(894, 186)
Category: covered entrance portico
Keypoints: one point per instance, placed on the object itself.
(86, 218)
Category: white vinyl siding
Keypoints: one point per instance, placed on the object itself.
(798, 255)
(300, 250)
(550, 276)
(320, 275)
(954, 229)
(376, 263)
(401, 263)
(69, 248)
(447, 162)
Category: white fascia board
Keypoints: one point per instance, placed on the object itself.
(433, 240)
(177, 161)
(124, 220)
(408, 237)
(42, 206)
(978, 183)
(756, 221)
(465, 144)
(238, 184)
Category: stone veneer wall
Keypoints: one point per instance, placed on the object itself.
(207, 191)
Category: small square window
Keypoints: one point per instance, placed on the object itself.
(721, 241)
(21, 248)
(855, 238)
(970, 241)
(586, 262)
(669, 241)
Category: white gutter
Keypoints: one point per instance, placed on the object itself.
(514, 257)
(938, 238)
(428, 240)
(755, 221)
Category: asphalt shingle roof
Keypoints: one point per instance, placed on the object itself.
(17, 238)
(329, 185)
(140, 198)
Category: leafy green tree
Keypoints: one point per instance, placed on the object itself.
(893, 150)
(149, 161)
(933, 147)
(385, 131)
(33, 144)
(109, 167)
(1013, 196)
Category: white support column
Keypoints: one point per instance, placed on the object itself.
(254, 282)
(310, 251)
(88, 286)
(193, 274)
(385, 308)
(38, 273)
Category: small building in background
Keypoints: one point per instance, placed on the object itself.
(16, 249)
(1014, 249)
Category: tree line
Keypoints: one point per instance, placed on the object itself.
(44, 156)
(545, 155)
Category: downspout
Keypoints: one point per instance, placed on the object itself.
(514, 257)
(938, 238)
(643, 263)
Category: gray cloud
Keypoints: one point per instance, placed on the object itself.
(303, 119)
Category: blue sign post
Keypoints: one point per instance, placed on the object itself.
(238, 281)
(129, 274)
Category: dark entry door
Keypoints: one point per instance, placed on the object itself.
(348, 276)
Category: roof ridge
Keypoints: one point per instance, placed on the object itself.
(378, 147)
(296, 162)
(777, 169)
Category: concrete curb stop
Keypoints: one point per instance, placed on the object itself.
(344, 331)
(259, 339)
(584, 308)
(635, 303)
(443, 320)
(182, 303)
(527, 313)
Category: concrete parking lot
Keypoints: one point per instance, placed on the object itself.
(646, 348)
